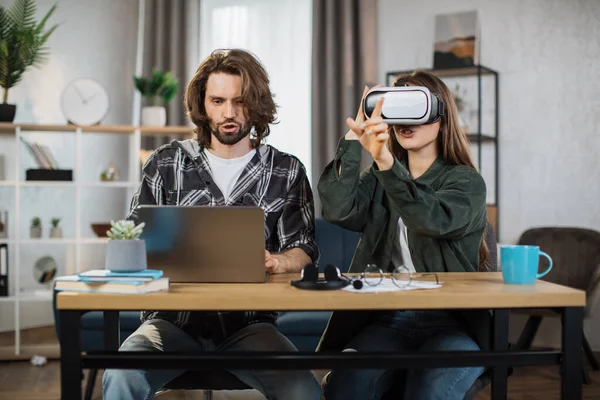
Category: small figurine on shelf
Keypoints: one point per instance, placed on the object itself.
(35, 231)
(111, 174)
(55, 231)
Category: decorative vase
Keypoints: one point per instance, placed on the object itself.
(56, 232)
(7, 112)
(35, 232)
(126, 255)
(154, 116)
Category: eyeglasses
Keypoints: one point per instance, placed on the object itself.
(402, 277)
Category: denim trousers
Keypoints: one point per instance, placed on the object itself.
(399, 331)
(160, 335)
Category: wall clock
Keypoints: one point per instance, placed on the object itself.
(84, 102)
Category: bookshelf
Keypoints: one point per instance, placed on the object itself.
(15, 190)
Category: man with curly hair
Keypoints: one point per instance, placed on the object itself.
(230, 102)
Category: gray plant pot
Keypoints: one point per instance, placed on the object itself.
(35, 233)
(56, 232)
(126, 255)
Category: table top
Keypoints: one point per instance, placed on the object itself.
(466, 290)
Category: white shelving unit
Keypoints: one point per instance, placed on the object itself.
(19, 241)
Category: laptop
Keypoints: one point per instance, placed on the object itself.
(205, 244)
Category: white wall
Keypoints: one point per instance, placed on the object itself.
(95, 39)
(547, 53)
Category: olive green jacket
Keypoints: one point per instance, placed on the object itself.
(444, 211)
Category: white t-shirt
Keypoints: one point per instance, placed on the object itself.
(401, 252)
(226, 171)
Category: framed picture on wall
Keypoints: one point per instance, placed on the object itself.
(456, 40)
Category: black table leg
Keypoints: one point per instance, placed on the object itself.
(500, 343)
(572, 362)
(70, 355)
(111, 331)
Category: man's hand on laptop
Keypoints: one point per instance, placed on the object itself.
(292, 260)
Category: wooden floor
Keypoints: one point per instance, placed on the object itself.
(34, 341)
(21, 380)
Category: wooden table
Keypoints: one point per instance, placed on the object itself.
(484, 290)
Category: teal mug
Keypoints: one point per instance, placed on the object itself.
(520, 264)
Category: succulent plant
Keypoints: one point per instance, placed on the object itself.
(36, 222)
(55, 222)
(125, 230)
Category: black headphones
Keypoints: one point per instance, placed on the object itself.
(309, 279)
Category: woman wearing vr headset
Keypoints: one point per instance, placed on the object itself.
(421, 205)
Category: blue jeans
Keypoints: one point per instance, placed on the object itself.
(400, 331)
(160, 335)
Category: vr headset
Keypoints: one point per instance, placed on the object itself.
(405, 105)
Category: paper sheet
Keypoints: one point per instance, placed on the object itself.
(387, 285)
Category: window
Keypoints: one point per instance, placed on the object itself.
(279, 33)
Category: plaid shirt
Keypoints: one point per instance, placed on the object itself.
(178, 173)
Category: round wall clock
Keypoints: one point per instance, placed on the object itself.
(84, 102)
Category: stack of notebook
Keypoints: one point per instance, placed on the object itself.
(105, 281)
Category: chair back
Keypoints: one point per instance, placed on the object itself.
(337, 245)
(575, 254)
(492, 245)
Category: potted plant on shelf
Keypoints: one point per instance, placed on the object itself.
(22, 41)
(35, 230)
(125, 250)
(460, 106)
(55, 231)
(160, 89)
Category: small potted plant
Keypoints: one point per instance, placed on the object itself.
(125, 251)
(160, 89)
(55, 231)
(35, 230)
(460, 106)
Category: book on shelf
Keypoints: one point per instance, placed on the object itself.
(41, 154)
(3, 269)
(104, 281)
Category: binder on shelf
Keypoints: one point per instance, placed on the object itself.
(3, 270)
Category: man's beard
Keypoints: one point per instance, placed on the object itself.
(228, 138)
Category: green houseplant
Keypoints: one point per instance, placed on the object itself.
(55, 231)
(22, 41)
(35, 229)
(459, 99)
(125, 251)
(159, 88)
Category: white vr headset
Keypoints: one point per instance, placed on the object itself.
(405, 105)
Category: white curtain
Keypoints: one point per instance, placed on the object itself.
(279, 33)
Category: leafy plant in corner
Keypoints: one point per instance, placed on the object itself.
(458, 99)
(160, 88)
(125, 230)
(55, 222)
(22, 41)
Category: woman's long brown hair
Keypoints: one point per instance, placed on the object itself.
(452, 142)
(257, 97)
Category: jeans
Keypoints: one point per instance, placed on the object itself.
(160, 335)
(405, 331)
